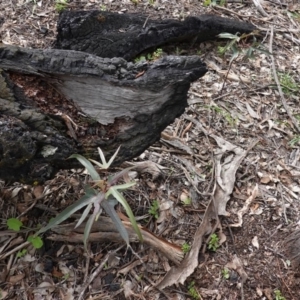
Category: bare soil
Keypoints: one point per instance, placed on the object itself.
(238, 100)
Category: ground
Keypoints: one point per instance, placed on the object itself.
(239, 100)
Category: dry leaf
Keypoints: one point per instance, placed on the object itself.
(255, 242)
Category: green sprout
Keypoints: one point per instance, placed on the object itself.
(192, 291)
(295, 140)
(288, 84)
(154, 209)
(213, 244)
(21, 253)
(185, 248)
(15, 225)
(61, 5)
(187, 201)
(100, 194)
(150, 56)
(278, 295)
(225, 273)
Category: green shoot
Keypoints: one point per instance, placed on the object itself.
(278, 295)
(21, 253)
(154, 209)
(61, 5)
(192, 291)
(185, 248)
(225, 273)
(101, 195)
(213, 244)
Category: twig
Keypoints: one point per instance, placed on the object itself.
(14, 250)
(88, 258)
(226, 76)
(95, 273)
(286, 107)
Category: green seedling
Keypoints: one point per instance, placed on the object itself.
(185, 248)
(288, 84)
(207, 3)
(99, 195)
(36, 241)
(61, 5)
(187, 201)
(225, 273)
(278, 295)
(150, 56)
(16, 224)
(154, 209)
(213, 244)
(21, 253)
(229, 119)
(294, 141)
(239, 46)
(192, 291)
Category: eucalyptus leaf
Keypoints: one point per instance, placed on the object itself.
(84, 215)
(102, 157)
(115, 218)
(70, 210)
(113, 157)
(113, 191)
(124, 186)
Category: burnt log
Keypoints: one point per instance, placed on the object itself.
(57, 102)
(108, 34)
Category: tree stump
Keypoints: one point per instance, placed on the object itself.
(85, 94)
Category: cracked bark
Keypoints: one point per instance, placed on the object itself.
(100, 98)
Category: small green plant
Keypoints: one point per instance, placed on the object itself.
(103, 7)
(213, 244)
(295, 140)
(185, 248)
(150, 56)
(278, 295)
(238, 45)
(154, 209)
(230, 120)
(288, 84)
(225, 273)
(140, 58)
(207, 3)
(192, 291)
(36, 241)
(157, 53)
(21, 253)
(61, 5)
(100, 194)
(187, 201)
(16, 224)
